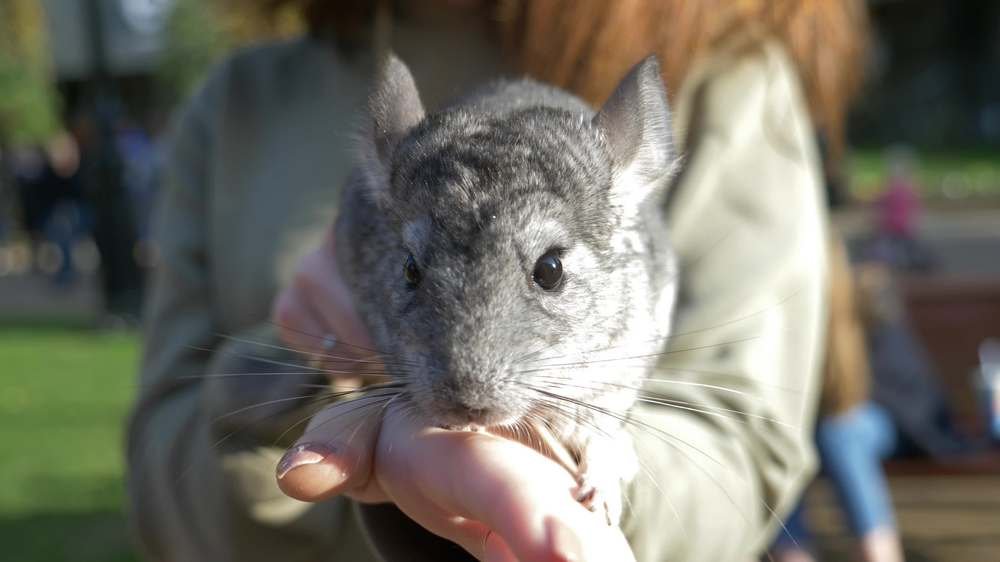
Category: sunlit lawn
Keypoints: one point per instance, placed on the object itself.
(63, 397)
(969, 176)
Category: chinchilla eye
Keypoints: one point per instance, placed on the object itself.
(411, 271)
(548, 270)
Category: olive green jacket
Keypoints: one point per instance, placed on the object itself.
(258, 156)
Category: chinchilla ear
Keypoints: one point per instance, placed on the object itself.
(394, 107)
(636, 123)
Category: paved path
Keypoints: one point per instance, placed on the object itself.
(966, 242)
(33, 297)
(942, 518)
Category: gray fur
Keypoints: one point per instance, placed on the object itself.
(478, 191)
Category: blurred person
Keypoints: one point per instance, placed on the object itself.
(113, 224)
(67, 223)
(28, 168)
(52, 206)
(6, 197)
(141, 154)
(880, 399)
(898, 213)
(257, 159)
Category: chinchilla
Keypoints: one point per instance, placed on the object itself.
(509, 253)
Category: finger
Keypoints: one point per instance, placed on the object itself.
(522, 495)
(338, 303)
(477, 539)
(334, 455)
(297, 326)
(303, 329)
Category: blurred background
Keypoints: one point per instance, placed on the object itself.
(87, 90)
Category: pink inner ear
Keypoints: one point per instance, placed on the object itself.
(636, 123)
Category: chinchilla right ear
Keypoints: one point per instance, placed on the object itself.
(394, 107)
(636, 123)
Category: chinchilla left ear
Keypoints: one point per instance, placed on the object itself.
(637, 126)
(394, 107)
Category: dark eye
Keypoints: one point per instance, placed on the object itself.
(548, 270)
(411, 271)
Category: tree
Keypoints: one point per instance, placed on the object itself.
(28, 100)
(200, 32)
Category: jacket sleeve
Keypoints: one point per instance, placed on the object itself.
(201, 478)
(720, 467)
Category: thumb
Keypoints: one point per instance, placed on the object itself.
(334, 455)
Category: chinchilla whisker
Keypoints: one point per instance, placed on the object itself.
(338, 393)
(712, 410)
(322, 357)
(248, 374)
(321, 386)
(670, 503)
(647, 355)
(670, 440)
(677, 335)
(376, 386)
(321, 337)
(381, 413)
(639, 424)
(351, 406)
(265, 360)
(750, 395)
(265, 403)
(674, 442)
(751, 380)
(281, 374)
(652, 398)
(316, 354)
(658, 381)
(522, 434)
(534, 353)
(559, 405)
(269, 361)
(781, 302)
(222, 440)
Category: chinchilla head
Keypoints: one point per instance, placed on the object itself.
(517, 245)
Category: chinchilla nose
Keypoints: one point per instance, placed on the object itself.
(477, 414)
(469, 401)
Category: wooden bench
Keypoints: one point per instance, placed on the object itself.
(952, 316)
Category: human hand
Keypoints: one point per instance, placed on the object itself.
(498, 499)
(315, 315)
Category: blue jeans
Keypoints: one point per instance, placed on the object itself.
(852, 447)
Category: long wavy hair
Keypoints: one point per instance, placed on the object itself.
(585, 46)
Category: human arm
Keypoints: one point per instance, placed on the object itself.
(201, 480)
(748, 225)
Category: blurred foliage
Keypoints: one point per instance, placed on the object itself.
(28, 100)
(942, 176)
(200, 32)
(62, 410)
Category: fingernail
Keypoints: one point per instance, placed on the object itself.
(563, 542)
(302, 455)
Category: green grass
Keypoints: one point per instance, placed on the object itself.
(970, 175)
(63, 397)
